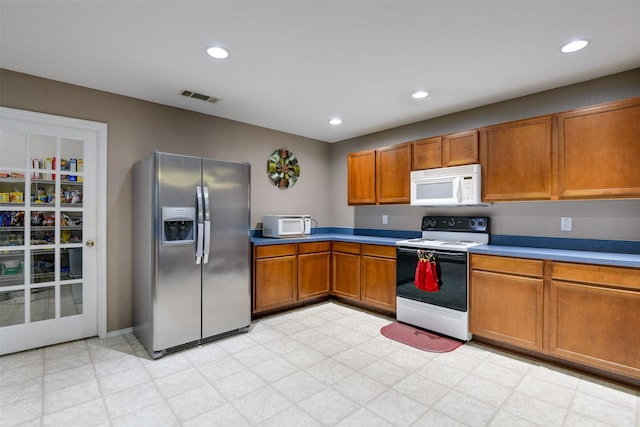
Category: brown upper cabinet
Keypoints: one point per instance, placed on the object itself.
(586, 153)
(460, 148)
(427, 153)
(448, 150)
(393, 169)
(516, 160)
(599, 151)
(379, 176)
(361, 177)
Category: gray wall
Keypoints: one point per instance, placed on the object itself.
(605, 219)
(136, 128)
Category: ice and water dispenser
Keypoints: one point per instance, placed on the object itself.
(178, 225)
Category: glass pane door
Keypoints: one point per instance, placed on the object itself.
(44, 292)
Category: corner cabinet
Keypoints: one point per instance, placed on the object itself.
(516, 160)
(603, 140)
(379, 176)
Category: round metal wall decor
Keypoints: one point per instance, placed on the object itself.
(283, 168)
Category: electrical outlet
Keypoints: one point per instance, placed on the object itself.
(565, 223)
(385, 219)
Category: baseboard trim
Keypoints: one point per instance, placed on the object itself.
(119, 332)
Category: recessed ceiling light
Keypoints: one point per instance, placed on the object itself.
(420, 94)
(217, 52)
(335, 121)
(574, 46)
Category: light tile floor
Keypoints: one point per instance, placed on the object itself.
(323, 365)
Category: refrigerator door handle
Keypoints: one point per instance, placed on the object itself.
(200, 237)
(207, 224)
(207, 240)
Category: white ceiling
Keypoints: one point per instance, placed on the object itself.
(293, 65)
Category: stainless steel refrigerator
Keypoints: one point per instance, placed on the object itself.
(191, 251)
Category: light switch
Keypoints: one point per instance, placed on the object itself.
(565, 223)
(385, 219)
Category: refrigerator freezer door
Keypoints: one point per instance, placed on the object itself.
(176, 293)
(226, 278)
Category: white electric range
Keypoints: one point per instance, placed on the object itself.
(448, 239)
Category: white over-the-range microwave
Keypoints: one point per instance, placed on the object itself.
(282, 226)
(450, 186)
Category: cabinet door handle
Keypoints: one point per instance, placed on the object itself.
(90, 243)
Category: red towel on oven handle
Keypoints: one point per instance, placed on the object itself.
(427, 275)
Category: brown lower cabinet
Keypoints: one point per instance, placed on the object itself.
(594, 316)
(378, 276)
(506, 300)
(346, 270)
(314, 270)
(286, 275)
(586, 315)
(275, 276)
(365, 274)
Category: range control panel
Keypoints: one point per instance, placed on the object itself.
(473, 224)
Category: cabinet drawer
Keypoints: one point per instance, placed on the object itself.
(350, 248)
(519, 266)
(311, 247)
(379, 250)
(276, 250)
(597, 274)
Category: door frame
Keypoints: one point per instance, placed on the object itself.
(101, 196)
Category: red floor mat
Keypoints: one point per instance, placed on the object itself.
(419, 338)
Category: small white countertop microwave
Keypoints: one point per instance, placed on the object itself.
(451, 186)
(283, 226)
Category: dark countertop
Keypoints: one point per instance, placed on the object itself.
(322, 237)
(583, 257)
(604, 252)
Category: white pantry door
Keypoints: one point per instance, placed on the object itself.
(50, 240)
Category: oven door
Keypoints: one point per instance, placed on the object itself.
(452, 269)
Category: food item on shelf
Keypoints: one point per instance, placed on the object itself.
(16, 197)
(80, 169)
(36, 164)
(73, 166)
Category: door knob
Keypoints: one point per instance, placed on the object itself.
(90, 243)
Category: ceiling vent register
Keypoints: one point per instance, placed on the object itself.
(200, 96)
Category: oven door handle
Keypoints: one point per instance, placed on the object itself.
(414, 251)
